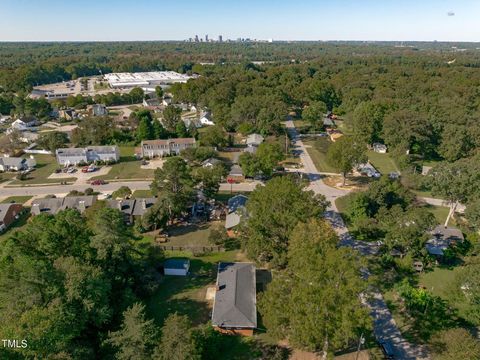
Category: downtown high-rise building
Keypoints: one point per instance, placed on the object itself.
(220, 38)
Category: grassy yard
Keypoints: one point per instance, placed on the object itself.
(186, 295)
(142, 194)
(129, 169)
(382, 162)
(223, 196)
(46, 166)
(423, 193)
(342, 202)
(441, 213)
(17, 199)
(317, 148)
(192, 235)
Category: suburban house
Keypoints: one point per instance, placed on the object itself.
(380, 148)
(54, 205)
(206, 118)
(16, 163)
(160, 148)
(67, 114)
(74, 156)
(4, 118)
(23, 124)
(334, 134)
(234, 307)
(426, 170)
(211, 162)
(99, 110)
(328, 122)
(254, 139)
(28, 136)
(235, 174)
(369, 170)
(132, 208)
(176, 267)
(8, 214)
(251, 149)
(151, 103)
(442, 238)
(236, 212)
(167, 100)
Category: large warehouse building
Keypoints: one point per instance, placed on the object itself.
(144, 79)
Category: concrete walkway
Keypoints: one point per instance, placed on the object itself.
(383, 322)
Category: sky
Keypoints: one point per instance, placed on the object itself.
(129, 20)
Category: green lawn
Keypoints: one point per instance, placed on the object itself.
(441, 213)
(16, 199)
(382, 162)
(46, 166)
(186, 295)
(342, 202)
(223, 196)
(127, 151)
(129, 169)
(192, 235)
(142, 194)
(422, 193)
(317, 148)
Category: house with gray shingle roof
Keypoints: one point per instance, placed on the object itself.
(442, 238)
(54, 205)
(132, 208)
(235, 304)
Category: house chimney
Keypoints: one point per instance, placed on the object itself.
(119, 205)
(144, 204)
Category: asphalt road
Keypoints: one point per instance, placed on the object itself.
(384, 325)
(64, 189)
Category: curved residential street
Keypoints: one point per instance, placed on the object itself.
(385, 328)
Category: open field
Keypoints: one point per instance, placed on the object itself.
(317, 148)
(382, 162)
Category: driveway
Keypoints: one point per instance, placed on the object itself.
(383, 322)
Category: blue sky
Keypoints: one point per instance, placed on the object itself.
(83, 20)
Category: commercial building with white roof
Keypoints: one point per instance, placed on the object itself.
(144, 79)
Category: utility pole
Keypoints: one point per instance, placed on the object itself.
(361, 341)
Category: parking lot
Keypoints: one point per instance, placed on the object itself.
(82, 177)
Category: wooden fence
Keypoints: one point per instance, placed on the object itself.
(193, 249)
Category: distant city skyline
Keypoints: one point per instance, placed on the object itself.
(122, 20)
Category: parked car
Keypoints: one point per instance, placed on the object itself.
(71, 170)
(89, 169)
(387, 349)
(98, 182)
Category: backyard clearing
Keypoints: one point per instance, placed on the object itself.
(317, 148)
(382, 162)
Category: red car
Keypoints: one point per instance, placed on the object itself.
(98, 182)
